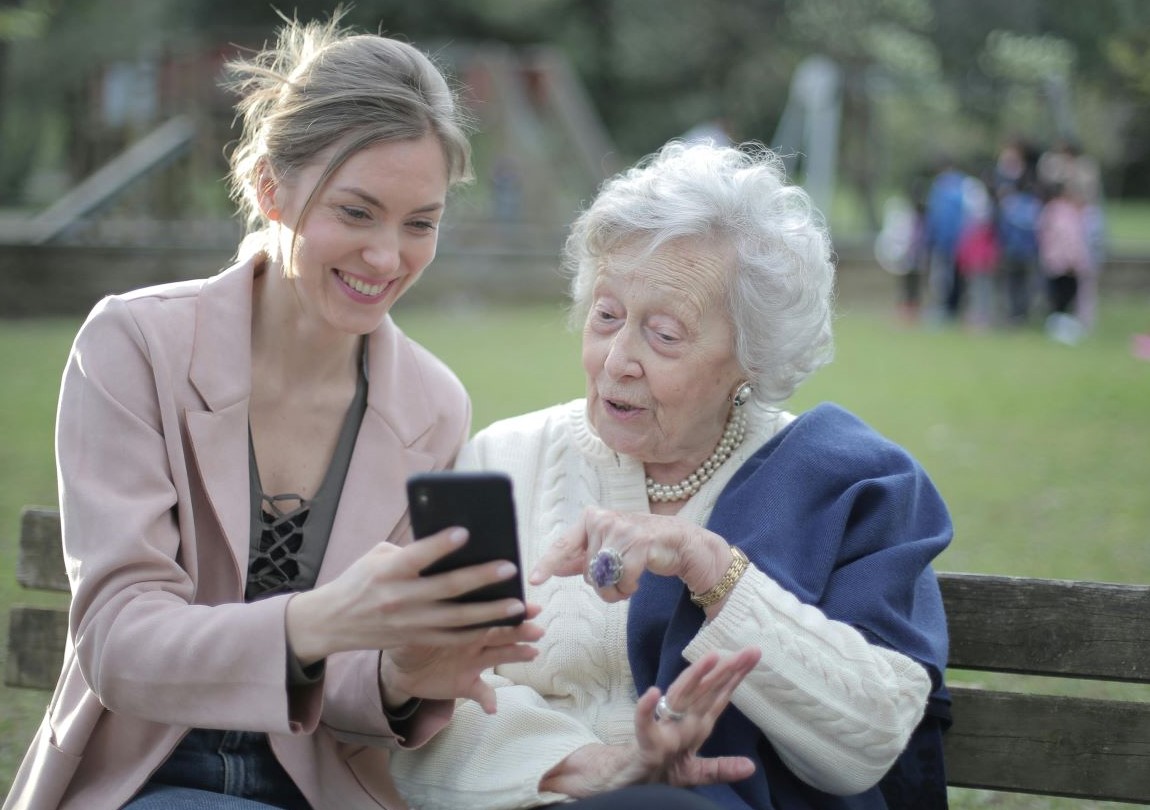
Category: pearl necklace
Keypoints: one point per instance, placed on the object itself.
(732, 438)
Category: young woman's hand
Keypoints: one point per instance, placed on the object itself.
(382, 602)
(437, 671)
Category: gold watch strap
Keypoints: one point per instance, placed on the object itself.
(739, 563)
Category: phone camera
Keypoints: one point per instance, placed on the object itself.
(422, 498)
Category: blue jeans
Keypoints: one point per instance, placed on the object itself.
(220, 770)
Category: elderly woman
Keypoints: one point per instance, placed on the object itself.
(722, 543)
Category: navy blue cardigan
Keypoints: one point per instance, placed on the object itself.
(848, 522)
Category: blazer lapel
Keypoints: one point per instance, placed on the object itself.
(221, 371)
(373, 505)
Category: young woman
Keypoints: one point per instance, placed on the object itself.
(248, 623)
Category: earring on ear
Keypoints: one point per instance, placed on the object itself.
(742, 394)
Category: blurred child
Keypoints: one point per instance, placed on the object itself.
(976, 256)
(1065, 256)
(1018, 211)
(900, 249)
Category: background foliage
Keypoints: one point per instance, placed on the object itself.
(919, 76)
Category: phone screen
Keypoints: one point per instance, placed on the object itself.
(482, 503)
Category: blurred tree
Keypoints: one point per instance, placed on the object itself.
(56, 136)
(869, 40)
(919, 75)
(1129, 54)
(1012, 65)
(659, 68)
(22, 20)
(18, 21)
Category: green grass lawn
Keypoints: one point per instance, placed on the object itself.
(1126, 225)
(1041, 451)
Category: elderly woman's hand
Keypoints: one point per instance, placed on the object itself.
(665, 545)
(668, 735)
(671, 729)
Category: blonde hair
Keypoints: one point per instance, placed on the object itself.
(320, 87)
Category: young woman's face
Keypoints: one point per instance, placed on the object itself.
(658, 352)
(369, 233)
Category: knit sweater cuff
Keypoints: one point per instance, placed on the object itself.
(483, 762)
(837, 709)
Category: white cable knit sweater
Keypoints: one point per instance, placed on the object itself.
(837, 709)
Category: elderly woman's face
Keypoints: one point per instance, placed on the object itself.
(658, 350)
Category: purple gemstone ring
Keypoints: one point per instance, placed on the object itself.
(605, 568)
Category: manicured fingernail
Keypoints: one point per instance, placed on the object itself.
(457, 536)
(505, 569)
(515, 609)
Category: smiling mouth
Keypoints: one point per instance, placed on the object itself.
(361, 287)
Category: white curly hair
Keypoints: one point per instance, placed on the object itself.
(781, 294)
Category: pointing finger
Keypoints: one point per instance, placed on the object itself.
(565, 557)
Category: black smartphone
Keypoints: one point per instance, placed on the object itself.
(482, 503)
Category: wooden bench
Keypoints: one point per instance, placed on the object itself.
(37, 635)
(1080, 747)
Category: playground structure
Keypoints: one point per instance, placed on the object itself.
(540, 151)
(808, 132)
(540, 144)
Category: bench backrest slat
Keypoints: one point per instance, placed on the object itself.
(1048, 627)
(37, 635)
(1053, 745)
(41, 563)
(36, 641)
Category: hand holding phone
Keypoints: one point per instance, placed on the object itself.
(482, 503)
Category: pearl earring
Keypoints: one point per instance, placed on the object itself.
(742, 394)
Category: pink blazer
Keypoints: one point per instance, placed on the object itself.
(152, 453)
